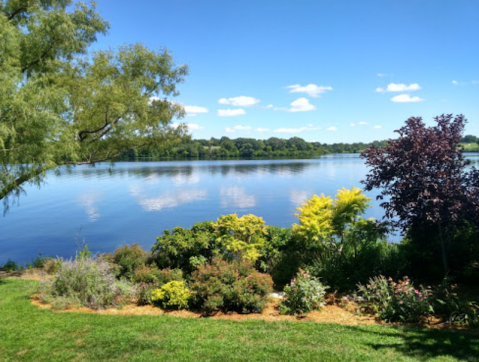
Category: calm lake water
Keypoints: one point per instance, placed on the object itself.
(133, 202)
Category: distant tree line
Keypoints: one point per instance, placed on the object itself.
(225, 147)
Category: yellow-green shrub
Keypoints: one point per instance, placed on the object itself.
(172, 295)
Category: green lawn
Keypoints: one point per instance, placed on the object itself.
(31, 334)
(470, 147)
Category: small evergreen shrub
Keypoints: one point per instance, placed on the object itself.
(303, 295)
(230, 286)
(398, 301)
(171, 295)
(128, 258)
(85, 282)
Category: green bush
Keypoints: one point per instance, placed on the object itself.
(128, 258)
(230, 286)
(10, 265)
(150, 274)
(149, 278)
(398, 301)
(454, 308)
(303, 295)
(171, 295)
(185, 249)
(342, 272)
(85, 282)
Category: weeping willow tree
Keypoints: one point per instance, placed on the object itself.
(63, 106)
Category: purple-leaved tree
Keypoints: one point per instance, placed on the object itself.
(423, 176)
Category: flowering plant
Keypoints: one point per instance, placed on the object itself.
(304, 294)
(398, 301)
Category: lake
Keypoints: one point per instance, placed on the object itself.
(133, 202)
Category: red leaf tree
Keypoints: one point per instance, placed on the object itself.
(423, 179)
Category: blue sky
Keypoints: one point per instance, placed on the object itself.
(324, 70)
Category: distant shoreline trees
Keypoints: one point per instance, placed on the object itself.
(225, 147)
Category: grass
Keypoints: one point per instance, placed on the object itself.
(470, 147)
(28, 333)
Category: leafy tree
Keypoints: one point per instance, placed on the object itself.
(61, 106)
(470, 139)
(423, 176)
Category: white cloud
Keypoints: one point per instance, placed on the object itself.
(381, 75)
(269, 106)
(241, 101)
(194, 110)
(332, 129)
(153, 99)
(301, 105)
(352, 124)
(363, 123)
(191, 126)
(406, 98)
(455, 82)
(242, 128)
(296, 130)
(262, 129)
(231, 112)
(237, 128)
(312, 90)
(378, 127)
(393, 87)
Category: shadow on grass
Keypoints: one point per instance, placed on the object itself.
(426, 343)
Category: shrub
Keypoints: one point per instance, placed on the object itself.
(242, 237)
(452, 307)
(10, 265)
(336, 240)
(230, 286)
(185, 249)
(304, 295)
(150, 274)
(85, 282)
(149, 278)
(143, 293)
(398, 301)
(342, 272)
(171, 295)
(128, 258)
(51, 266)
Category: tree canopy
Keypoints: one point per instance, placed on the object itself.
(61, 105)
(423, 179)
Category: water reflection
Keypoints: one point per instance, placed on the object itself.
(299, 197)
(236, 197)
(135, 202)
(87, 201)
(168, 199)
